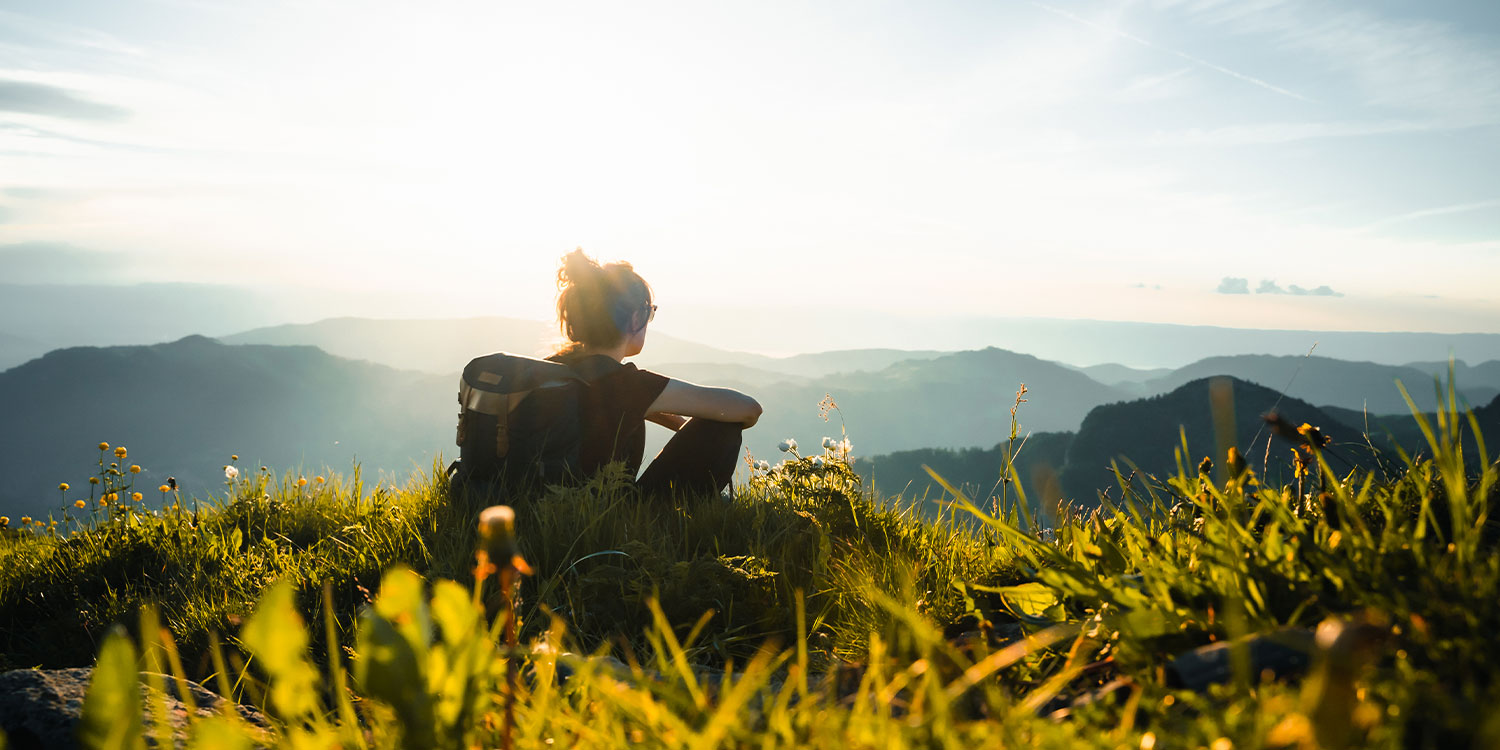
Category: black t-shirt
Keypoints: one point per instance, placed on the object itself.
(614, 410)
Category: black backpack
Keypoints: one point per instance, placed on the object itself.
(520, 417)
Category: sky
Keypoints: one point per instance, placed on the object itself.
(1251, 163)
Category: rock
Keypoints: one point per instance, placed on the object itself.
(39, 709)
(1284, 653)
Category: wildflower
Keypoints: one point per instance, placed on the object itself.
(103, 501)
(134, 469)
(234, 457)
(120, 452)
(787, 446)
(4, 521)
(817, 460)
(104, 446)
(231, 473)
(1205, 466)
(762, 465)
(301, 481)
(25, 520)
(136, 496)
(63, 487)
(843, 446)
(497, 531)
(318, 479)
(1314, 435)
(828, 443)
(1299, 464)
(93, 480)
(79, 503)
(164, 489)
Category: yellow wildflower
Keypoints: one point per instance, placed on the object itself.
(103, 501)
(63, 487)
(25, 520)
(79, 503)
(234, 457)
(104, 446)
(136, 496)
(135, 469)
(164, 489)
(93, 480)
(301, 481)
(120, 452)
(4, 521)
(319, 480)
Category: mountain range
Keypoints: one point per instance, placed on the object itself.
(302, 397)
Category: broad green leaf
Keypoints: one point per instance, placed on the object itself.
(1031, 600)
(400, 602)
(111, 717)
(392, 655)
(454, 611)
(277, 636)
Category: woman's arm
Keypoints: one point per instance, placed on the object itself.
(719, 404)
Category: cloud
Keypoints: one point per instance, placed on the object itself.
(53, 101)
(1269, 286)
(1232, 285)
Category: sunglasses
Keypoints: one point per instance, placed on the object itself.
(650, 313)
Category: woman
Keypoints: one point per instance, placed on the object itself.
(604, 311)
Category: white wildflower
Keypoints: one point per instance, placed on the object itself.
(762, 465)
(829, 442)
(817, 460)
(231, 473)
(787, 446)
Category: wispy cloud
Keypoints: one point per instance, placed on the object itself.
(1121, 33)
(1457, 208)
(1434, 71)
(41, 99)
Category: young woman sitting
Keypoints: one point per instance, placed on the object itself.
(604, 311)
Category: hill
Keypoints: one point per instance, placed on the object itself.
(974, 471)
(183, 408)
(1333, 382)
(1148, 432)
(955, 400)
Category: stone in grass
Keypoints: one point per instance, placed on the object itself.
(40, 708)
(1283, 653)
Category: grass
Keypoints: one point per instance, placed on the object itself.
(836, 617)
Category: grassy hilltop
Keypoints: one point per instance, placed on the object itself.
(1337, 609)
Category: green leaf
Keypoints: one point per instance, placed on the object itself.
(277, 636)
(111, 717)
(1031, 602)
(393, 642)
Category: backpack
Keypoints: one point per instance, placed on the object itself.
(520, 416)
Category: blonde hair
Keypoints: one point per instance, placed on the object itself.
(597, 303)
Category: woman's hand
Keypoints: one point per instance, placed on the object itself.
(685, 399)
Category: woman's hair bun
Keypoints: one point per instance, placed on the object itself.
(577, 269)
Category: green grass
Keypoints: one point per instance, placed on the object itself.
(834, 611)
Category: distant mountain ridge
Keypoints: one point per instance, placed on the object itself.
(185, 407)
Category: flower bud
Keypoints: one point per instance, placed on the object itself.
(497, 531)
